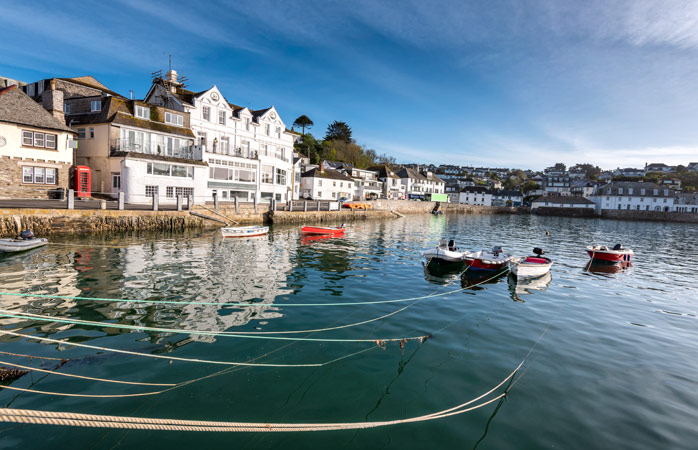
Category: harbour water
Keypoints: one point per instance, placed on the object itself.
(613, 356)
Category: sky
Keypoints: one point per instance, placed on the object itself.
(505, 83)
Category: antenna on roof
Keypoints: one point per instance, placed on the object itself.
(170, 61)
(131, 92)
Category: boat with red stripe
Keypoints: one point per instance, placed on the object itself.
(334, 231)
(492, 260)
(602, 253)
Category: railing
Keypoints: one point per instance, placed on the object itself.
(146, 147)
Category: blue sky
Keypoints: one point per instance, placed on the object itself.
(504, 83)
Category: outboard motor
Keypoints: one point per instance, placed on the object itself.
(26, 235)
(496, 250)
(538, 251)
(452, 245)
(618, 247)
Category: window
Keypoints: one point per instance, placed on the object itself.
(142, 112)
(202, 140)
(334, 184)
(225, 145)
(50, 176)
(92, 133)
(66, 108)
(268, 130)
(95, 106)
(247, 124)
(221, 117)
(172, 170)
(151, 191)
(50, 141)
(116, 181)
(169, 192)
(206, 113)
(278, 132)
(224, 194)
(666, 191)
(38, 139)
(184, 191)
(267, 174)
(174, 119)
(642, 191)
(38, 175)
(27, 138)
(81, 133)
(280, 176)
(319, 182)
(656, 192)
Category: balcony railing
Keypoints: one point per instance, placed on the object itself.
(239, 152)
(146, 147)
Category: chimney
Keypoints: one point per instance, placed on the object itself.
(52, 101)
(322, 166)
(171, 77)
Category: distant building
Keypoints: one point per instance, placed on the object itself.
(583, 188)
(392, 185)
(418, 185)
(556, 185)
(510, 197)
(560, 201)
(686, 202)
(692, 167)
(628, 172)
(366, 183)
(634, 195)
(475, 195)
(658, 168)
(35, 146)
(326, 184)
(673, 183)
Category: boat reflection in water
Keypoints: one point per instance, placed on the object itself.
(475, 279)
(308, 239)
(604, 268)
(443, 272)
(527, 286)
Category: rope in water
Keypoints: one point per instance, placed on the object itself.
(141, 394)
(63, 374)
(90, 420)
(149, 355)
(32, 356)
(29, 316)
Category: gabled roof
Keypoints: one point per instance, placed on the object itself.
(18, 108)
(476, 189)
(328, 173)
(411, 173)
(507, 193)
(90, 81)
(384, 172)
(563, 200)
(614, 188)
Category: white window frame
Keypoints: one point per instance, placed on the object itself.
(206, 113)
(50, 141)
(27, 138)
(142, 112)
(221, 117)
(95, 106)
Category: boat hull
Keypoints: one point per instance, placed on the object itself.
(322, 230)
(241, 232)
(609, 256)
(484, 260)
(20, 245)
(444, 256)
(525, 268)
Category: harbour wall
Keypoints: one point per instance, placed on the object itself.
(656, 216)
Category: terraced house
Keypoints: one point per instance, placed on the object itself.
(634, 195)
(249, 152)
(131, 146)
(35, 146)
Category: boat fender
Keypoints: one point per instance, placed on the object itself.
(26, 235)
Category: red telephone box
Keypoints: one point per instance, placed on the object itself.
(82, 181)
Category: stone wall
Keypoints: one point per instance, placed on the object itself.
(11, 185)
(659, 216)
(327, 217)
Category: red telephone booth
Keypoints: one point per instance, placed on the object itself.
(82, 181)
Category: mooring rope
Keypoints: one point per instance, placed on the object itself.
(150, 355)
(105, 380)
(39, 317)
(91, 420)
(33, 356)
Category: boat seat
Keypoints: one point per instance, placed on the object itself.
(533, 259)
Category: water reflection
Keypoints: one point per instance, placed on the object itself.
(601, 268)
(526, 286)
(475, 279)
(442, 272)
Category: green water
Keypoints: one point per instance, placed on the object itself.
(615, 365)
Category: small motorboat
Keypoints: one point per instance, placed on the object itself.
(531, 266)
(323, 230)
(239, 232)
(446, 252)
(614, 255)
(26, 241)
(492, 260)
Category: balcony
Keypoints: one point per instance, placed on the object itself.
(146, 147)
(238, 152)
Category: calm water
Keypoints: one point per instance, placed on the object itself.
(616, 365)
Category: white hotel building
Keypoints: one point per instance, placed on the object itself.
(249, 153)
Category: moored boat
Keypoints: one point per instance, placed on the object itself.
(446, 251)
(323, 230)
(237, 232)
(531, 266)
(613, 255)
(491, 260)
(26, 241)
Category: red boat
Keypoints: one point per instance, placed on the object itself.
(334, 231)
(493, 260)
(613, 255)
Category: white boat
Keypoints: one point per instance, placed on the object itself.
(238, 232)
(445, 252)
(20, 245)
(531, 266)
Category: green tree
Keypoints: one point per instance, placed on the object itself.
(529, 186)
(303, 122)
(338, 131)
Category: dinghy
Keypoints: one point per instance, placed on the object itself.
(26, 241)
(238, 232)
(446, 252)
(531, 266)
(492, 260)
(614, 255)
(323, 230)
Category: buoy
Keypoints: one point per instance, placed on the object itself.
(547, 233)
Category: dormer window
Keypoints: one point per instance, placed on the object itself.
(66, 108)
(174, 119)
(95, 106)
(666, 192)
(142, 112)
